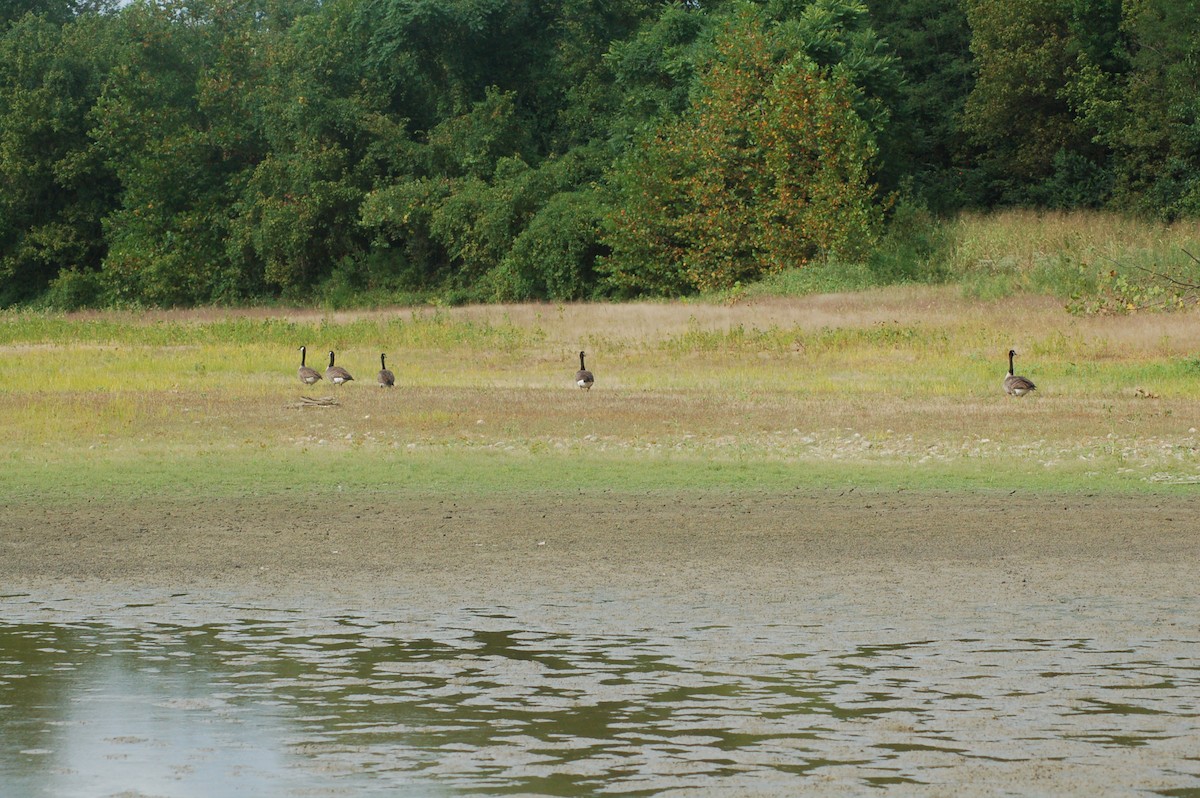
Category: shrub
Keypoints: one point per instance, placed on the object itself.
(555, 255)
(74, 289)
(768, 170)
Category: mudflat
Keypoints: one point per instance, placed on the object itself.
(886, 550)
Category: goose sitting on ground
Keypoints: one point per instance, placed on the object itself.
(336, 374)
(386, 378)
(583, 377)
(1015, 385)
(308, 375)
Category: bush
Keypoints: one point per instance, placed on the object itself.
(74, 289)
(768, 170)
(1076, 183)
(912, 248)
(555, 255)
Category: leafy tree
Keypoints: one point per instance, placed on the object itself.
(925, 141)
(400, 219)
(578, 79)
(555, 256)
(1155, 126)
(654, 69)
(1095, 27)
(1033, 56)
(840, 33)
(464, 178)
(818, 152)
(55, 188)
(767, 170)
(155, 129)
(554, 252)
(472, 144)
(58, 12)
(296, 212)
(182, 151)
(468, 216)
(437, 58)
(1021, 49)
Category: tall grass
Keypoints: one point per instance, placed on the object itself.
(1073, 255)
(1021, 239)
(419, 329)
(1062, 254)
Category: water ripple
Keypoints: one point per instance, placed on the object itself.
(488, 700)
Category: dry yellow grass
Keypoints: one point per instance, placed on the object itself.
(1020, 238)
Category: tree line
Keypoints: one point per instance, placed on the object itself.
(176, 152)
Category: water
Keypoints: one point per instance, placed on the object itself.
(196, 696)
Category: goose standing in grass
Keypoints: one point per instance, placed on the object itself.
(1015, 385)
(386, 378)
(336, 374)
(308, 375)
(583, 377)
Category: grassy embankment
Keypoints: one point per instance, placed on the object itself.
(1080, 258)
(896, 387)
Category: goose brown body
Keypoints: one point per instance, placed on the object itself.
(385, 378)
(307, 374)
(583, 377)
(1014, 384)
(336, 374)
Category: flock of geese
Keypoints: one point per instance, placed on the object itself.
(338, 375)
(386, 379)
(1014, 384)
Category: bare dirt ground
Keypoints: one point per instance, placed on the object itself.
(901, 552)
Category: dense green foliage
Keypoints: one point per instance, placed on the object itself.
(766, 170)
(174, 152)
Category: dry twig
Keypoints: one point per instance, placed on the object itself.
(314, 401)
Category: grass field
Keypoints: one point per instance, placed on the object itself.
(894, 387)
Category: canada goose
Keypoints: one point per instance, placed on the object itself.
(308, 376)
(1015, 385)
(336, 374)
(583, 377)
(386, 378)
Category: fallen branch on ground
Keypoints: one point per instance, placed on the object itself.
(313, 401)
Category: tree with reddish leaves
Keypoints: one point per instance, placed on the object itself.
(768, 169)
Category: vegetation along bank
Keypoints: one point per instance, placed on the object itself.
(338, 153)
